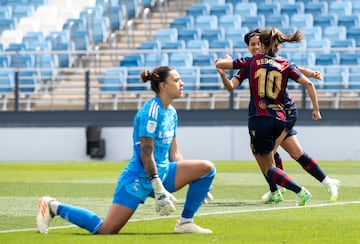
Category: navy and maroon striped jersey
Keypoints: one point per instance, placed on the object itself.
(268, 77)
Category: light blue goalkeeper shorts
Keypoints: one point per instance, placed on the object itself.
(124, 198)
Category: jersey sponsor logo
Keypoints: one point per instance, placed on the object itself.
(151, 126)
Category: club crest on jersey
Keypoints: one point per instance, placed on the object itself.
(151, 126)
(262, 104)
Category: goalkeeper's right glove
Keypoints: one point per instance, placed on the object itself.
(164, 201)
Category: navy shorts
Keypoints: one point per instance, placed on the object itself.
(291, 117)
(263, 133)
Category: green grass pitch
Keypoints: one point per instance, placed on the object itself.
(236, 215)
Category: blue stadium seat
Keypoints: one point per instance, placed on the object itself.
(33, 36)
(63, 57)
(190, 76)
(245, 9)
(253, 22)
(74, 24)
(297, 46)
(183, 59)
(15, 2)
(132, 60)
(327, 58)
(153, 60)
(236, 35)
(354, 78)
(98, 30)
(319, 45)
(113, 80)
(133, 81)
(149, 3)
(279, 21)
(182, 22)
(166, 34)
(80, 40)
(204, 22)
(173, 45)
(116, 20)
(343, 44)
(335, 32)
(230, 21)
(213, 2)
(210, 35)
(210, 79)
(356, 8)
(197, 46)
(349, 20)
(150, 45)
(340, 8)
(289, 30)
(292, 8)
(302, 20)
(7, 24)
(222, 47)
(267, 9)
(349, 58)
(197, 9)
(38, 46)
(354, 33)
(27, 81)
(325, 20)
(37, 3)
(133, 8)
(22, 61)
(334, 78)
(221, 9)
(312, 33)
(58, 36)
(6, 12)
(7, 80)
(20, 11)
(204, 59)
(5, 61)
(302, 58)
(189, 34)
(46, 65)
(316, 8)
(16, 47)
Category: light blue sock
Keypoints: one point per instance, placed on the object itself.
(80, 216)
(196, 194)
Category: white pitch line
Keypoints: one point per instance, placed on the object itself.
(206, 214)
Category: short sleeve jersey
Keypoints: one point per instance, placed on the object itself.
(268, 77)
(154, 122)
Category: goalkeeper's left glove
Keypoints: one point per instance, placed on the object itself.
(164, 200)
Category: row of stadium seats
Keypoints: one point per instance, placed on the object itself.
(246, 8)
(260, 21)
(116, 79)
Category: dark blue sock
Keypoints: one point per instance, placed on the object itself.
(277, 176)
(273, 187)
(310, 165)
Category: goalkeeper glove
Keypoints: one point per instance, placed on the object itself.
(164, 201)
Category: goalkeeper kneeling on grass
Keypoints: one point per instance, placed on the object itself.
(156, 169)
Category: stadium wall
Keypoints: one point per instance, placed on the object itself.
(215, 135)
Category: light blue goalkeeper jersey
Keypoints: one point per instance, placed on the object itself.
(150, 121)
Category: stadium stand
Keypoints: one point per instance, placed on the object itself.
(101, 35)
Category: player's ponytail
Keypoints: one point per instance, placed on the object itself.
(273, 38)
(158, 75)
